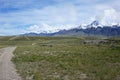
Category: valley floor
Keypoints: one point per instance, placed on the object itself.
(60, 58)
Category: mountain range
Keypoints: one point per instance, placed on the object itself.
(93, 29)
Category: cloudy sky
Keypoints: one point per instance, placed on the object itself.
(23, 16)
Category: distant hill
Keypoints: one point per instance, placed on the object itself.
(93, 29)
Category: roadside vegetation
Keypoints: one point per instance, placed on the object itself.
(66, 58)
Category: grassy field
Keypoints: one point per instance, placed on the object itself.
(65, 58)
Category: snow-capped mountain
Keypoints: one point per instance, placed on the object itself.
(93, 24)
(93, 29)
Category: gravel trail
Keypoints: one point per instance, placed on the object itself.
(7, 68)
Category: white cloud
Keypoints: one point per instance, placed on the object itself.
(58, 14)
(106, 15)
(110, 16)
(47, 28)
(41, 28)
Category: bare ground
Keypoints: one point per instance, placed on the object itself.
(7, 68)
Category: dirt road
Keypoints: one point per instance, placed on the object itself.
(7, 68)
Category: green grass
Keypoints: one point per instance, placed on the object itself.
(67, 58)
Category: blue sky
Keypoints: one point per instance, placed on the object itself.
(23, 16)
